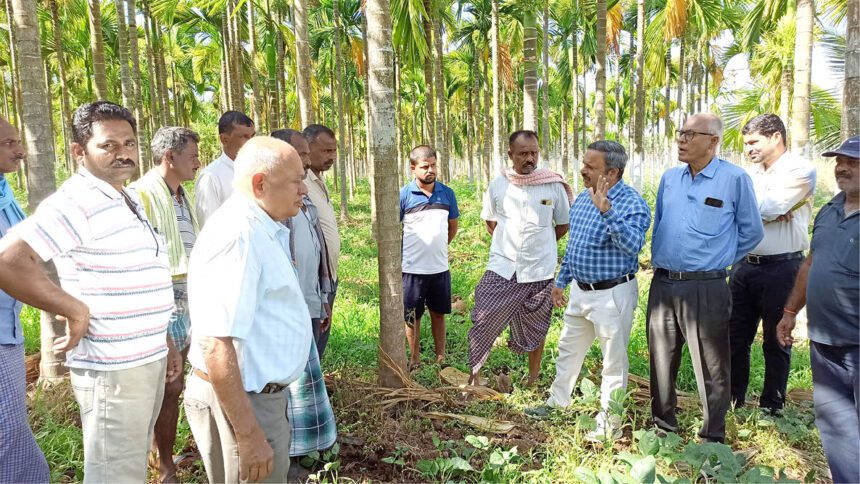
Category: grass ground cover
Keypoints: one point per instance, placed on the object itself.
(403, 443)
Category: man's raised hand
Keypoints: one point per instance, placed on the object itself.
(599, 194)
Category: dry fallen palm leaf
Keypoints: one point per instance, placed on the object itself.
(479, 423)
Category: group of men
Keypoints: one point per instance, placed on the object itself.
(727, 250)
(242, 284)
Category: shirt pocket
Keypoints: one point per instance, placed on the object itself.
(850, 260)
(540, 215)
(709, 220)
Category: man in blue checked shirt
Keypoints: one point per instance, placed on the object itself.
(706, 219)
(608, 222)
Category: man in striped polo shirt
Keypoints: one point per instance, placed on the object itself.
(169, 209)
(116, 293)
(428, 210)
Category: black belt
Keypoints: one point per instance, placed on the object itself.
(605, 284)
(269, 388)
(692, 276)
(767, 259)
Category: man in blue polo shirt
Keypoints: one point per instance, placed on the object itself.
(830, 284)
(428, 210)
(706, 218)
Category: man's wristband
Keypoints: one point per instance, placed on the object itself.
(789, 311)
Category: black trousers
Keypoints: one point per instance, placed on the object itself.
(759, 293)
(695, 312)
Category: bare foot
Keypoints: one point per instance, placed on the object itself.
(414, 365)
(167, 476)
(475, 380)
(440, 360)
(530, 382)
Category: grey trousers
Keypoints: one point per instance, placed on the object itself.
(695, 312)
(216, 440)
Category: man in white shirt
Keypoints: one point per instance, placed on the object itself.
(526, 211)
(250, 334)
(215, 183)
(761, 283)
(323, 153)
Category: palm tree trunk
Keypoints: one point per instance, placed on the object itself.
(36, 123)
(545, 91)
(682, 72)
(802, 76)
(65, 110)
(488, 139)
(530, 101)
(600, 74)
(238, 61)
(399, 138)
(497, 86)
(584, 124)
(851, 88)
(281, 68)
(429, 96)
(122, 41)
(470, 134)
(137, 89)
(256, 99)
(304, 64)
(565, 167)
(667, 116)
(574, 87)
(639, 120)
(98, 49)
(441, 111)
(154, 94)
(385, 190)
(342, 155)
(160, 72)
(15, 70)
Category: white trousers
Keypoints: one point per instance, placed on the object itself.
(603, 314)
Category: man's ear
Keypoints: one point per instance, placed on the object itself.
(257, 184)
(78, 151)
(168, 156)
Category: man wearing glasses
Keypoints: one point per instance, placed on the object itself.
(706, 218)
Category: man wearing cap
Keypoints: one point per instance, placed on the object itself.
(828, 283)
(761, 282)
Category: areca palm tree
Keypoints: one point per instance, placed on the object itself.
(802, 75)
(97, 46)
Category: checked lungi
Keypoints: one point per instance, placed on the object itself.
(21, 459)
(525, 307)
(309, 410)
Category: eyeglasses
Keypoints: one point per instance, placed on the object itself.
(686, 136)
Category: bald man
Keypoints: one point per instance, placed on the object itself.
(250, 333)
(21, 460)
(706, 219)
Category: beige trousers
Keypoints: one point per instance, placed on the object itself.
(214, 434)
(118, 412)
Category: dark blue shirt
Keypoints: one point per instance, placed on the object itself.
(705, 223)
(833, 285)
(10, 308)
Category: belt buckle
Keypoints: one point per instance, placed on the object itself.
(754, 259)
(590, 286)
(676, 275)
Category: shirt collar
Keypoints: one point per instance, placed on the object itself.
(615, 190)
(709, 170)
(413, 186)
(102, 185)
(312, 176)
(226, 159)
(272, 227)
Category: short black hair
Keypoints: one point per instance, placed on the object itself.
(90, 113)
(286, 135)
(313, 131)
(521, 133)
(765, 125)
(231, 118)
(421, 152)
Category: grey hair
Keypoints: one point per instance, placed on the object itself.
(256, 158)
(172, 138)
(715, 124)
(614, 154)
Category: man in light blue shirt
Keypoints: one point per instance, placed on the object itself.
(251, 332)
(21, 460)
(706, 218)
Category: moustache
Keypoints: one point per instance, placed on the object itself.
(122, 163)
